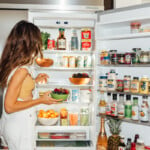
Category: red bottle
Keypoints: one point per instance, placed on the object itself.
(133, 146)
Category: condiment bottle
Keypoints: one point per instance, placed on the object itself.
(121, 106)
(103, 83)
(102, 104)
(127, 58)
(133, 146)
(140, 145)
(135, 109)
(135, 85)
(136, 138)
(128, 146)
(128, 107)
(113, 57)
(74, 40)
(144, 83)
(114, 106)
(144, 57)
(127, 83)
(102, 137)
(119, 86)
(121, 145)
(144, 115)
(61, 40)
(108, 105)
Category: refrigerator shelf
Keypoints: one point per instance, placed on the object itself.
(126, 36)
(61, 69)
(62, 140)
(67, 51)
(126, 120)
(125, 93)
(125, 65)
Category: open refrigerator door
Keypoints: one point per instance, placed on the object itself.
(70, 44)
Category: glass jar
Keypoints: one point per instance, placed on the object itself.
(113, 57)
(135, 27)
(144, 85)
(135, 85)
(139, 145)
(119, 86)
(103, 83)
(144, 57)
(84, 116)
(104, 57)
(127, 58)
(120, 58)
(127, 83)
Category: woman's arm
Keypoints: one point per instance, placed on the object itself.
(11, 104)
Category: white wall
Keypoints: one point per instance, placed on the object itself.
(8, 18)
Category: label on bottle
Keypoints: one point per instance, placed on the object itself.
(128, 111)
(144, 114)
(100, 147)
(121, 110)
(126, 85)
(61, 44)
(114, 110)
(135, 113)
(135, 87)
(121, 148)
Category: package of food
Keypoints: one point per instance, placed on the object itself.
(44, 135)
(86, 40)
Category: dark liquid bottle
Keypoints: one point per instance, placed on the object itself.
(61, 40)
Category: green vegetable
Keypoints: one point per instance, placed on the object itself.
(45, 37)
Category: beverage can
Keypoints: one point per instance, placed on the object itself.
(87, 62)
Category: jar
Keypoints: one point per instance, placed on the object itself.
(119, 86)
(104, 58)
(120, 58)
(135, 27)
(139, 145)
(144, 57)
(113, 57)
(127, 83)
(133, 58)
(103, 83)
(144, 84)
(137, 52)
(135, 85)
(84, 116)
(127, 58)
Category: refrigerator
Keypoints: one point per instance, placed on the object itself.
(110, 30)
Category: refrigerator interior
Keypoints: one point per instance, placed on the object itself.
(113, 33)
(59, 76)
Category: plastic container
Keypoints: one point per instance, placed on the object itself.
(73, 118)
(84, 116)
(135, 27)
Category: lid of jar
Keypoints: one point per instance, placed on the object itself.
(103, 77)
(140, 141)
(135, 24)
(135, 78)
(109, 94)
(147, 147)
(128, 97)
(136, 49)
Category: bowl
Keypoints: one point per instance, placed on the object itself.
(80, 81)
(44, 62)
(48, 121)
(59, 96)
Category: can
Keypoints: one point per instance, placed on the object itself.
(87, 61)
(72, 61)
(80, 62)
(51, 44)
(75, 95)
(65, 61)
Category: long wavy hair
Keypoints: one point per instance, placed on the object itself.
(22, 46)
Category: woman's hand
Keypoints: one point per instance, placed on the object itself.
(46, 99)
(42, 77)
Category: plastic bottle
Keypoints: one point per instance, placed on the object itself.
(135, 109)
(128, 107)
(121, 106)
(128, 146)
(114, 111)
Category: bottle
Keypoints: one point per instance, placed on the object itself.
(108, 105)
(133, 146)
(128, 107)
(102, 137)
(144, 85)
(135, 109)
(144, 115)
(135, 85)
(121, 145)
(121, 106)
(128, 146)
(102, 104)
(114, 106)
(74, 40)
(136, 138)
(61, 40)
(140, 145)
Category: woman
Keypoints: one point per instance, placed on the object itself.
(22, 46)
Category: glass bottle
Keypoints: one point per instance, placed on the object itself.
(102, 137)
(133, 146)
(121, 106)
(135, 85)
(74, 40)
(136, 138)
(128, 107)
(144, 116)
(108, 105)
(135, 109)
(102, 104)
(121, 145)
(114, 105)
(128, 146)
(61, 40)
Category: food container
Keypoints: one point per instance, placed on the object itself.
(103, 83)
(135, 27)
(119, 86)
(75, 95)
(144, 84)
(144, 57)
(51, 44)
(65, 61)
(80, 62)
(79, 81)
(87, 61)
(73, 118)
(63, 117)
(44, 62)
(72, 61)
(84, 116)
(135, 85)
(104, 57)
(137, 52)
(113, 57)
(127, 83)
(127, 58)
(120, 58)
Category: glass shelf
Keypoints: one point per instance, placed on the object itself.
(125, 120)
(67, 51)
(125, 65)
(126, 93)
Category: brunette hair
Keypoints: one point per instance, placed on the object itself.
(23, 44)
